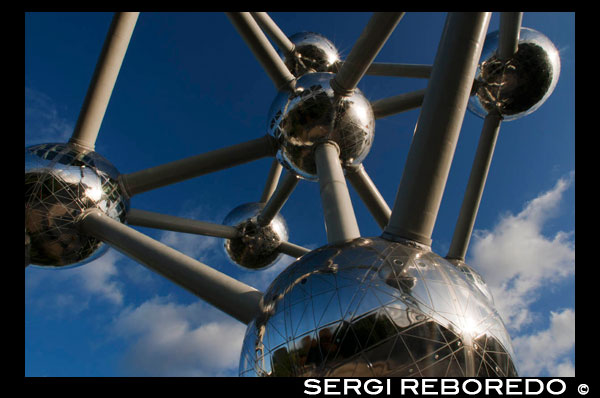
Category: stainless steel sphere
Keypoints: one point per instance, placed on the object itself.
(60, 184)
(518, 86)
(257, 247)
(372, 308)
(312, 53)
(473, 277)
(313, 114)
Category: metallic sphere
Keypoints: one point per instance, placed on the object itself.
(474, 278)
(313, 114)
(312, 53)
(517, 86)
(372, 308)
(256, 247)
(61, 183)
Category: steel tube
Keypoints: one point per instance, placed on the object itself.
(369, 194)
(227, 294)
(183, 169)
(475, 186)
(510, 25)
(262, 50)
(373, 37)
(398, 70)
(272, 180)
(292, 250)
(432, 148)
(278, 199)
(103, 80)
(143, 218)
(340, 220)
(274, 32)
(400, 103)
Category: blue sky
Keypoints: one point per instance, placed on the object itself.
(189, 85)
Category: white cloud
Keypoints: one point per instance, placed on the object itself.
(99, 277)
(517, 260)
(70, 290)
(43, 123)
(519, 264)
(170, 339)
(545, 350)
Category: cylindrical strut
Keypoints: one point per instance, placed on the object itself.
(104, 79)
(510, 26)
(194, 166)
(430, 156)
(340, 220)
(373, 37)
(369, 194)
(263, 50)
(227, 294)
(475, 186)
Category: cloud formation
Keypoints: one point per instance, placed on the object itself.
(519, 263)
(545, 350)
(69, 291)
(171, 339)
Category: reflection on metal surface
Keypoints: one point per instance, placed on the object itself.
(373, 307)
(518, 86)
(473, 277)
(313, 114)
(312, 53)
(60, 184)
(257, 247)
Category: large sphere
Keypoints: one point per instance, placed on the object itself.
(60, 184)
(257, 247)
(313, 114)
(312, 53)
(518, 86)
(375, 308)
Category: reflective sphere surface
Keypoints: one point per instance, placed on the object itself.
(372, 308)
(312, 53)
(256, 248)
(60, 184)
(314, 113)
(518, 86)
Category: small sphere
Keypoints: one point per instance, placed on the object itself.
(256, 248)
(61, 183)
(375, 308)
(313, 114)
(312, 53)
(517, 86)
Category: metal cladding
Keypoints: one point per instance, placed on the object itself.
(61, 183)
(312, 53)
(256, 247)
(519, 85)
(313, 114)
(372, 307)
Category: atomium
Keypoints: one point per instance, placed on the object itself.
(315, 113)
(256, 247)
(61, 183)
(365, 307)
(517, 86)
(372, 307)
(312, 53)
